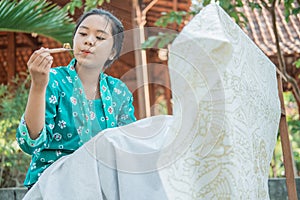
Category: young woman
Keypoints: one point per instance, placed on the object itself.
(69, 105)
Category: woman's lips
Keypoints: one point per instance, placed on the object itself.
(85, 51)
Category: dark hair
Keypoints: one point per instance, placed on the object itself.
(117, 30)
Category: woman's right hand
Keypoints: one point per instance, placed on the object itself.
(39, 65)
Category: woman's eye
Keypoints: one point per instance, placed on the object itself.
(100, 38)
(83, 34)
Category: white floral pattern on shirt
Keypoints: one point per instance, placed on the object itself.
(60, 135)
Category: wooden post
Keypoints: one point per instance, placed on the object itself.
(286, 147)
(141, 62)
(11, 56)
(141, 58)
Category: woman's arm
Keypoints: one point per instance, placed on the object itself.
(26, 143)
(39, 66)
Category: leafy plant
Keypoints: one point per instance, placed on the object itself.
(160, 41)
(297, 63)
(39, 17)
(13, 162)
(88, 5)
(294, 129)
(173, 17)
(277, 167)
(181, 17)
(231, 7)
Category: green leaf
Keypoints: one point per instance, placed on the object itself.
(179, 19)
(245, 19)
(239, 3)
(289, 9)
(161, 40)
(297, 63)
(235, 16)
(296, 11)
(225, 4)
(286, 13)
(40, 17)
(165, 39)
(206, 2)
(171, 18)
(72, 10)
(90, 4)
(78, 3)
(72, 5)
(255, 5)
(150, 42)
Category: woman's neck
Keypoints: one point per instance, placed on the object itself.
(90, 80)
(88, 74)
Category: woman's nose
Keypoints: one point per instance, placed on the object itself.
(90, 41)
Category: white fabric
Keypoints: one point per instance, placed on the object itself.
(102, 168)
(230, 155)
(217, 145)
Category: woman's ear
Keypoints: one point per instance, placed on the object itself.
(112, 54)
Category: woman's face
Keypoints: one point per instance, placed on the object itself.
(93, 42)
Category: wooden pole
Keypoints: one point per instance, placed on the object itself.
(11, 56)
(141, 62)
(286, 147)
(141, 58)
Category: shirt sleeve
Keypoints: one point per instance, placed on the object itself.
(29, 145)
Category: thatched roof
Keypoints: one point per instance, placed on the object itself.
(260, 30)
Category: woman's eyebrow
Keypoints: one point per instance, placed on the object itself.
(101, 31)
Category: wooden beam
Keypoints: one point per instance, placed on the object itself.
(286, 147)
(172, 6)
(4, 47)
(175, 8)
(11, 56)
(175, 5)
(168, 92)
(139, 21)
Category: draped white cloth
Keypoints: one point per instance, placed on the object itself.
(106, 167)
(238, 120)
(217, 145)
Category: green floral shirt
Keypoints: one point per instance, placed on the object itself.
(71, 119)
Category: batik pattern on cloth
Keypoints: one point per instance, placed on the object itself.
(237, 115)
